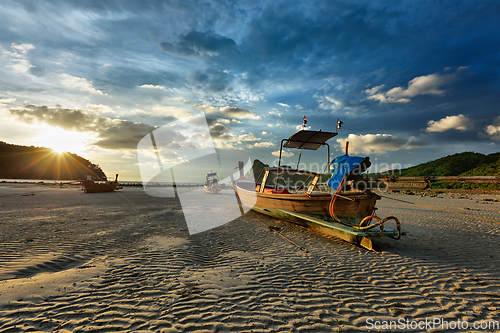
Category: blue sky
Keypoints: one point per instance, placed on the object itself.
(411, 80)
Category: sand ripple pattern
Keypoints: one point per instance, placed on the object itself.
(242, 277)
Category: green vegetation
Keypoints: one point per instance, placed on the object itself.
(487, 169)
(462, 164)
(23, 162)
(463, 186)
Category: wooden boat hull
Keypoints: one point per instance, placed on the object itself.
(212, 189)
(312, 211)
(93, 187)
(350, 207)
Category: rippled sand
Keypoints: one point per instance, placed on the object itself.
(124, 261)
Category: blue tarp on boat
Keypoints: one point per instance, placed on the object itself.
(341, 166)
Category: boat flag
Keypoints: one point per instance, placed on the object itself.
(305, 122)
(339, 124)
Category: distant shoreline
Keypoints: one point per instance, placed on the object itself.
(77, 182)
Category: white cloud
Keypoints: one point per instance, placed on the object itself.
(100, 108)
(374, 90)
(166, 111)
(284, 153)
(261, 145)
(421, 85)
(328, 103)
(283, 104)
(264, 133)
(460, 122)
(17, 58)
(152, 86)
(79, 83)
(275, 112)
(379, 143)
(300, 127)
(492, 132)
(7, 100)
(248, 137)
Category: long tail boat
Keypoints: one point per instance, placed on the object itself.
(90, 185)
(295, 195)
(212, 183)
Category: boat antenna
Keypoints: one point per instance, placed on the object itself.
(300, 150)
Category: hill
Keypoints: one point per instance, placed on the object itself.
(461, 164)
(23, 162)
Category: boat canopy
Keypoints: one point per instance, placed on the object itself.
(212, 174)
(289, 170)
(308, 139)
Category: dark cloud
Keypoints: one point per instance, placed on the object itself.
(228, 111)
(212, 81)
(112, 133)
(206, 44)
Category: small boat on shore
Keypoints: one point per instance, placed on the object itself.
(90, 185)
(346, 211)
(212, 185)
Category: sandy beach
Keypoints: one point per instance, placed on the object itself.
(124, 261)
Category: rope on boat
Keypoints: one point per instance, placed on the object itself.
(443, 210)
(334, 198)
(364, 224)
(380, 223)
(273, 229)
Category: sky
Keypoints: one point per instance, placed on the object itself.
(411, 81)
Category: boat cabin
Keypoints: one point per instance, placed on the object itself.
(286, 181)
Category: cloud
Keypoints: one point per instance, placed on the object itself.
(220, 132)
(261, 145)
(301, 127)
(152, 86)
(7, 100)
(17, 57)
(284, 153)
(79, 83)
(492, 132)
(112, 133)
(421, 85)
(275, 112)
(228, 111)
(460, 122)
(195, 43)
(328, 103)
(283, 104)
(248, 137)
(379, 143)
(168, 111)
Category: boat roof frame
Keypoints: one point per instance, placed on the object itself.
(305, 139)
(287, 170)
(312, 141)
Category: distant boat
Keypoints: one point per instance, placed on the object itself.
(212, 185)
(293, 195)
(90, 185)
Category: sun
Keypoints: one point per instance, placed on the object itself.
(61, 141)
(59, 150)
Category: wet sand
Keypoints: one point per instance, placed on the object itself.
(124, 261)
